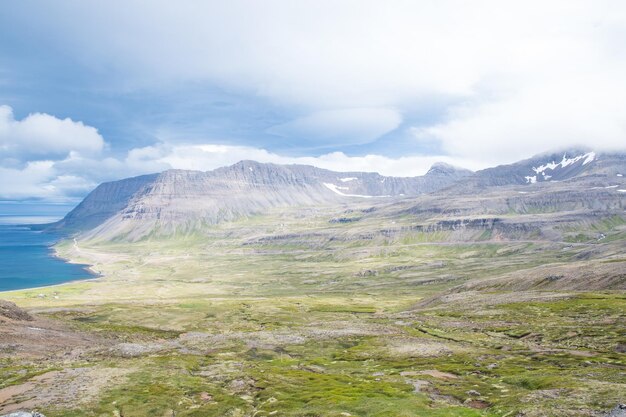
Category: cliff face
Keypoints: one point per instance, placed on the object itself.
(181, 201)
(105, 201)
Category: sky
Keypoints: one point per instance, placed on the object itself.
(93, 91)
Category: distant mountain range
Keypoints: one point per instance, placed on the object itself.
(179, 201)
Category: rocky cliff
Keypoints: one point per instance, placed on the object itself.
(179, 201)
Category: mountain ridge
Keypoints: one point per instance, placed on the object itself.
(184, 200)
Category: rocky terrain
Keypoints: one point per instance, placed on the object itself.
(9, 310)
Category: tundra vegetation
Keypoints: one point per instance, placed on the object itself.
(300, 312)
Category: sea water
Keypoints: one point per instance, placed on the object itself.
(26, 256)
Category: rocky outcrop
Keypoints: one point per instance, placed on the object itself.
(11, 311)
(618, 411)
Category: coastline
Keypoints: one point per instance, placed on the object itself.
(54, 252)
(74, 281)
(91, 274)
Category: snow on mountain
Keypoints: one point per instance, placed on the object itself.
(546, 171)
(588, 157)
(335, 189)
(557, 166)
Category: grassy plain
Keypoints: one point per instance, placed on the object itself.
(294, 314)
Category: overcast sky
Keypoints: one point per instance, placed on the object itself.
(98, 90)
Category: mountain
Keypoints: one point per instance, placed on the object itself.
(179, 201)
(102, 203)
(560, 182)
(551, 167)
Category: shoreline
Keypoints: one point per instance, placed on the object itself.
(74, 281)
(52, 251)
(87, 267)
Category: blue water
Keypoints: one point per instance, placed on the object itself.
(26, 259)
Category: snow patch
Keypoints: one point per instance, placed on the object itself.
(335, 189)
(531, 180)
(347, 179)
(619, 175)
(590, 157)
(587, 158)
(612, 186)
(551, 166)
(621, 191)
(569, 161)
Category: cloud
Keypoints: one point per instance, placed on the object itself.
(478, 83)
(483, 61)
(27, 182)
(210, 156)
(36, 155)
(70, 178)
(567, 111)
(347, 126)
(43, 135)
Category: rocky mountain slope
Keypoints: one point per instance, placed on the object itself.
(179, 201)
(103, 202)
(552, 167)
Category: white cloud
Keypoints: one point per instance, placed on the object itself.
(510, 79)
(566, 112)
(27, 182)
(209, 156)
(36, 152)
(43, 135)
(346, 126)
(507, 72)
(72, 177)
